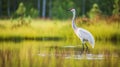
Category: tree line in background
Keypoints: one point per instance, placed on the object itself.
(57, 8)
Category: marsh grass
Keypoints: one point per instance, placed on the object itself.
(27, 54)
(58, 29)
(51, 53)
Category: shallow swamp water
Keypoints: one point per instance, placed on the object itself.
(58, 54)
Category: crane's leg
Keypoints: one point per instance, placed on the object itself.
(86, 46)
(83, 46)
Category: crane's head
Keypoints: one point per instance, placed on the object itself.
(72, 10)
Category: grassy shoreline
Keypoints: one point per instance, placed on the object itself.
(56, 29)
(53, 53)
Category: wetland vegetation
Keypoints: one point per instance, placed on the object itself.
(47, 43)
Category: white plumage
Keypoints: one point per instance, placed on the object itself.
(83, 34)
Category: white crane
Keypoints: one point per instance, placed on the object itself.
(83, 34)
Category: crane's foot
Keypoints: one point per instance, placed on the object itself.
(85, 49)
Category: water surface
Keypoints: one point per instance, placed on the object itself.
(58, 54)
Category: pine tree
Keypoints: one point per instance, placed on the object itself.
(116, 11)
(21, 12)
(95, 11)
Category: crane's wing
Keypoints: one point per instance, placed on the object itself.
(84, 34)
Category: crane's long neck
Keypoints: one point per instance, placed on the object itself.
(73, 21)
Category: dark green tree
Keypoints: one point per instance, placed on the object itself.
(95, 11)
(21, 12)
(60, 7)
(33, 13)
(57, 8)
(106, 6)
(116, 10)
(0, 7)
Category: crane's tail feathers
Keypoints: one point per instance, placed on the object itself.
(92, 44)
